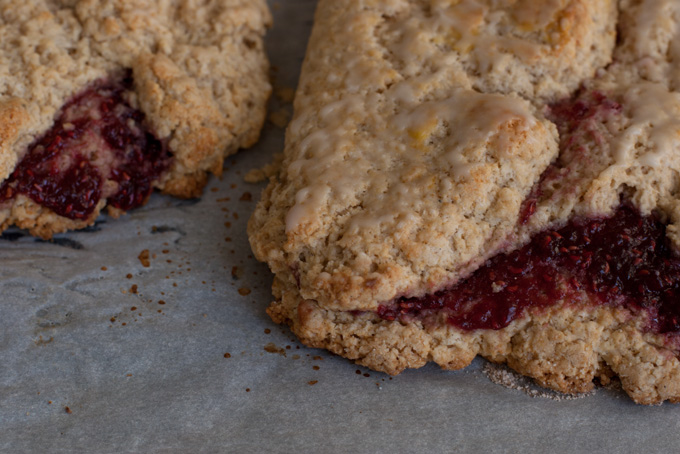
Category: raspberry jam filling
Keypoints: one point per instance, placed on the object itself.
(98, 148)
(625, 260)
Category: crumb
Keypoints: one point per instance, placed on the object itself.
(144, 258)
(279, 118)
(285, 94)
(262, 174)
(272, 348)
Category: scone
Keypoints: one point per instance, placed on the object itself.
(102, 101)
(488, 178)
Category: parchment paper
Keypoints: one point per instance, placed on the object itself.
(92, 361)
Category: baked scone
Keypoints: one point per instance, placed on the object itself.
(102, 101)
(488, 178)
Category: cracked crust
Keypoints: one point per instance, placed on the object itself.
(409, 163)
(199, 69)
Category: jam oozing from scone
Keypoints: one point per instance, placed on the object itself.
(582, 123)
(625, 260)
(98, 148)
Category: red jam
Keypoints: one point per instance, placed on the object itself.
(97, 137)
(625, 260)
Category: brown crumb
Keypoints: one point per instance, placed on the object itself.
(246, 197)
(315, 367)
(144, 258)
(269, 170)
(129, 276)
(285, 94)
(267, 331)
(161, 302)
(243, 291)
(67, 410)
(312, 382)
(104, 268)
(227, 355)
(272, 348)
(133, 289)
(236, 272)
(133, 308)
(279, 118)
(247, 390)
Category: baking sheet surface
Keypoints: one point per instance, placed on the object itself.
(104, 350)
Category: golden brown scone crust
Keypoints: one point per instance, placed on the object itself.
(199, 69)
(563, 348)
(421, 127)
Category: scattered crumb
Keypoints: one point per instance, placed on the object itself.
(144, 258)
(246, 197)
(267, 331)
(129, 276)
(269, 170)
(504, 376)
(272, 348)
(247, 390)
(285, 94)
(244, 291)
(67, 410)
(279, 118)
(133, 289)
(133, 308)
(104, 268)
(315, 367)
(312, 382)
(161, 302)
(227, 355)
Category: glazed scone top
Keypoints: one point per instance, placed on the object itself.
(187, 58)
(508, 46)
(403, 174)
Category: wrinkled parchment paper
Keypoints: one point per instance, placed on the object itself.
(105, 350)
